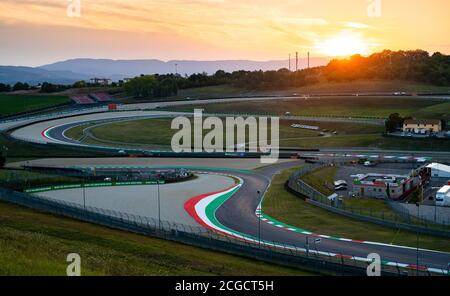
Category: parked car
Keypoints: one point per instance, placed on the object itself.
(340, 183)
(341, 188)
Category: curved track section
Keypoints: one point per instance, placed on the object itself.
(232, 212)
(53, 131)
(237, 211)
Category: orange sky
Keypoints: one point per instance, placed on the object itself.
(35, 32)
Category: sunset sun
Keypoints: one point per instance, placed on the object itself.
(344, 44)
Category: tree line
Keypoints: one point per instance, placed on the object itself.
(414, 65)
(157, 86)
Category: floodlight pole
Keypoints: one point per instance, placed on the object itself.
(159, 205)
(84, 196)
(259, 220)
(307, 245)
(417, 233)
(435, 210)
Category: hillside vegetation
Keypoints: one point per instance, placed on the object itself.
(13, 104)
(33, 243)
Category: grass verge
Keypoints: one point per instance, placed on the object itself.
(290, 209)
(12, 104)
(34, 243)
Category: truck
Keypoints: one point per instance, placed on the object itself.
(443, 196)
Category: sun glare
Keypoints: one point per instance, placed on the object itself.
(344, 44)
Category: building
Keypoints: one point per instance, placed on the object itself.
(422, 126)
(383, 186)
(100, 81)
(439, 170)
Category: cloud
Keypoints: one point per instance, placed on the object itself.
(355, 25)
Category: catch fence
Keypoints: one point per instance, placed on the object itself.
(334, 264)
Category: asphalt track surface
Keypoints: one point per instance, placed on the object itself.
(238, 213)
(142, 200)
(56, 127)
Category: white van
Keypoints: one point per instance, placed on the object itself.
(443, 196)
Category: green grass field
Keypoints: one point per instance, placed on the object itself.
(157, 132)
(20, 151)
(20, 179)
(12, 104)
(380, 107)
(322, 179)
(290, 209)
(34, 243)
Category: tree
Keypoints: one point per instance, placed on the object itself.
(21, 86)
(394, 122)
(79, 84)
(48, 87)
(142, 86)
(5, 87)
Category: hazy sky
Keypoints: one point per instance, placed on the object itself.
(35, 32)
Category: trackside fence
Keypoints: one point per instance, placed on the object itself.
(201, 237)
(398, 220)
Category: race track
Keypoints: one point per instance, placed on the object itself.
(142, 200)
(237, 214)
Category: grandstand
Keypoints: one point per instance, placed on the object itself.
(82, 99)
(102, 97)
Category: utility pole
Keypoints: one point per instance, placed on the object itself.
(176, 69)
(159, 206)
(307, 245)
(289, 62)
(435, 211)
(417, 233)
(259, 221)
(84, 196)
(308, 60)
(296, 61)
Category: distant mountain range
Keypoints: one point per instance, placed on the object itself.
(12, 74)
(82, 69)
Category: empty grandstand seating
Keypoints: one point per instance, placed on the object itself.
(102, 97)
(82, 99)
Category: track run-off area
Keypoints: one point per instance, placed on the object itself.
(232, 209)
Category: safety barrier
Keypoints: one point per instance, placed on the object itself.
(402, 220)
(201, 237)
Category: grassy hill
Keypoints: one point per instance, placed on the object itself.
(34, 243)
(345, 106)
(13, 104)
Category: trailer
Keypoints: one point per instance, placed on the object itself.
(443, 196)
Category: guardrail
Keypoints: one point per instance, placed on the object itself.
(201, 237)
(402, 220)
